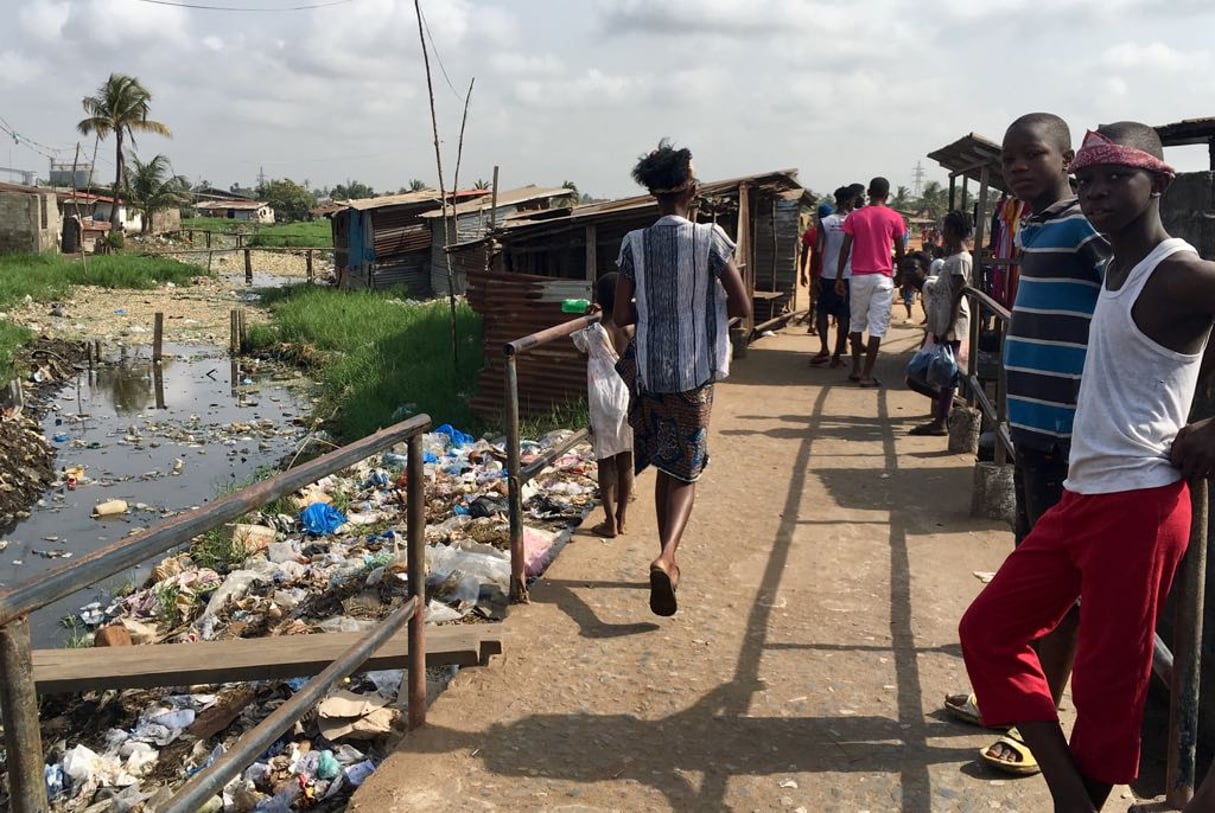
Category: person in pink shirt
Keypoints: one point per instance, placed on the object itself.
(869, 235)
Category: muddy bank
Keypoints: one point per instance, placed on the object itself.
(28, 471)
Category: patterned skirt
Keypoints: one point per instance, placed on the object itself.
(670, 430)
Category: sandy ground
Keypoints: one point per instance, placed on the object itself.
(824, 571)
(195, 314)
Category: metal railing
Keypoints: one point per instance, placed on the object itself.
(1180, 668)
(18, 695)
(517, 475)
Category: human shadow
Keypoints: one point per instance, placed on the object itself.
(562, 593)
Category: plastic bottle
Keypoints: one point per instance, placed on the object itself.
(110, 508)
(575, 306)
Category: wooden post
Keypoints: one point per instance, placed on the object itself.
(158, 335)
(234, 335)
(19, 708)
(493, 201)
(240, 239)
(208, 239)
(97, 351)
(592, 247)
(240, 328)
(744, 250)
(158, 383)
(415, 553)
(953, 191)
(308, 260)
(248, 267)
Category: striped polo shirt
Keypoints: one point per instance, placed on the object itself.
(1061, 270)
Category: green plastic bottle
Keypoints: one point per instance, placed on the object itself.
(575, 306)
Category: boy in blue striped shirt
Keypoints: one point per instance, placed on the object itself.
(1062, 257)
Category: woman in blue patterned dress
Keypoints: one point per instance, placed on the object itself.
(679, 285)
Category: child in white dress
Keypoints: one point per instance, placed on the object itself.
(607, 398)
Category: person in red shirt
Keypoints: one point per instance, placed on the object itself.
(869, 235)
(812, 261)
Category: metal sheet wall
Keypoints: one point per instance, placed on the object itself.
(777, 241)
(515, 305)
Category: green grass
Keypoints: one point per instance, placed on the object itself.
(378, 357)
(47, 277)
(218, 550)
(310, 233)
(220, 224)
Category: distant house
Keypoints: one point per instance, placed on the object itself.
(88, 206)
(29, 219)
(254, 211)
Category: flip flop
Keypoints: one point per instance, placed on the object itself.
(820, 358)
(662, 592)
(929, 429)
(835, 362)
(967, 711)
(853, 377)
(1026, 764)
(872, 383)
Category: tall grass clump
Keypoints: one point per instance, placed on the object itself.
(45, 277)
(11, 338)
(383, 358)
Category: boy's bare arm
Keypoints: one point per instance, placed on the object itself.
(1193, 291)
(625, 312)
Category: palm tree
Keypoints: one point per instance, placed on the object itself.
(120, 107)
(934, 200)
(481, 184)
(153, 186)
(415, 185)
(574, 197)
(901, 199)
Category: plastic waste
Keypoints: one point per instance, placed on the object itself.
(327, 766)
(321, 519)
(575, 305)
(61, 438)
(110, 508)
(357, 773)
(455, 436)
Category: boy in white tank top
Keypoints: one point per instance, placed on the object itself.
(1116, 537)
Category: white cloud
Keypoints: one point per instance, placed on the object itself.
(592, 88)
(17, 69)
(517, 64)
(44, 19)
(1154, 56)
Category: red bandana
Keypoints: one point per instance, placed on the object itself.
(1098, 149)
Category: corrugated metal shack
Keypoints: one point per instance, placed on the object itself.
(383, 242)
(472, 220)
(539, 259)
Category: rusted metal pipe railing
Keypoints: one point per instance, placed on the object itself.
(1186, 674)
(515, 474)
(994, 412)
(210, 781)
(18, 696)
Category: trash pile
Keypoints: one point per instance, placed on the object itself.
(26, 459)
(331, 558)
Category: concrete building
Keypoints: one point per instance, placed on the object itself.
(253, 211)
(29, 219)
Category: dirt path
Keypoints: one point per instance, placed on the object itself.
(194, 314)
(827, 563)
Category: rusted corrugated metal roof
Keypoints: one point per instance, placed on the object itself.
(1188, 131)
(968, 156)
(510, 197)
(420, 198)
(251, 205)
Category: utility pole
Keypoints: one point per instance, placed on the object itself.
(918, 174)
(261, 176)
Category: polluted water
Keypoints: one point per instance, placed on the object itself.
(137, 442)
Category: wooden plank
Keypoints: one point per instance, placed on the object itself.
(58, 671)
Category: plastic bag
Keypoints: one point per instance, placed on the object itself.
(321, 519)
(917, 368)
(942, 368)
(457, 438)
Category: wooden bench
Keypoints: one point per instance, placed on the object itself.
(58, 671)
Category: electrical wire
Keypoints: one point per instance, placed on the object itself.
(438, 59)
(205, 7)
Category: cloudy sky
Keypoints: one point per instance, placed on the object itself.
(576, 89)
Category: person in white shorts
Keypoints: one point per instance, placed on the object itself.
(869, 235)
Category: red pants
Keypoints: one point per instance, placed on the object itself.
(1117, 553)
